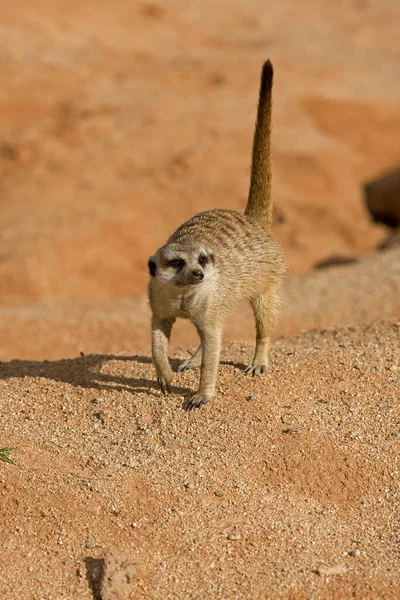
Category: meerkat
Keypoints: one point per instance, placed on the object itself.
(212, 263)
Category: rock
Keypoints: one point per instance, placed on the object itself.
(292, 429)
(95, 400)
(253, 396)
(89, 543)
(382, 198)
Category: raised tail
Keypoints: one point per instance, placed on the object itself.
(259, 204)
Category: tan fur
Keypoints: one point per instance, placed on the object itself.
(259, 205)
(213, 262)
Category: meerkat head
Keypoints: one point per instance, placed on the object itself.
(182, 265)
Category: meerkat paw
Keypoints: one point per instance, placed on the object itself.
(190, 363)
(165, 383)
(256, 369)
(196, 401)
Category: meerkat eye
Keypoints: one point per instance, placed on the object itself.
(176, 263)
(203, 260)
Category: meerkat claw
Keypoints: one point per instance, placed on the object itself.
(256, 370)
(164, 385)
(188, 364)
(195, 402)
(191, 363)
(184, 365)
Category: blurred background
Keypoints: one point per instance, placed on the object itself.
(119, 119)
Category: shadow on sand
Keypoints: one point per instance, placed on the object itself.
(85, 371)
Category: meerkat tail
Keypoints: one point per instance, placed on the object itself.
(259, 204)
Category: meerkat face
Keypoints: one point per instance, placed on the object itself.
(180, 266)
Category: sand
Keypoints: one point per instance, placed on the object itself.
(282, 487)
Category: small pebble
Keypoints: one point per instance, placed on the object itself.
(90, 543)
(291, 429)
(253, 396)
(80, 572)
(218, 493)
(234, 537)
(354, 552)
(99, 415)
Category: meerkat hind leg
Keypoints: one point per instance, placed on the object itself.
(193, 362)
(265, 309)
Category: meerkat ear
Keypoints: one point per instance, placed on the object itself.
(152, 266)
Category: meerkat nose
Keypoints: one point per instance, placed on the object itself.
(198, 274)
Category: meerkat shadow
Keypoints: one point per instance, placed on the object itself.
(94, 575)
(87, 371)
(175, 362)
(237, 365)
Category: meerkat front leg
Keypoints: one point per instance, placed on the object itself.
(265, 308)
(211, 348)
(193, 362)
(160, 334)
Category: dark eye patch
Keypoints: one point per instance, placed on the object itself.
(203, 260)
(176, 263)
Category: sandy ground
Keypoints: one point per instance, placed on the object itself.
(117, 121)
(282, 487)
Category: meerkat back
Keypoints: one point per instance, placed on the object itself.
(214, 261)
